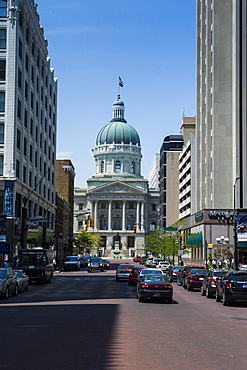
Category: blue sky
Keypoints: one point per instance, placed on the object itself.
(149, 43)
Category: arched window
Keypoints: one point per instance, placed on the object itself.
(133, 168)
(103, 222)
(102, 167)
(117, 222)
(117, 166)
(130, 221)
(80, 224)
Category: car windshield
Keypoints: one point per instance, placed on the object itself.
(71, 259)
(136, 269)
(176, 268)
(218, 273)
(148, 271)
(18, 273)
(153, 278)
(239, 277)
(94, 260)
(198, 272)
(122, 267)
(3, 274)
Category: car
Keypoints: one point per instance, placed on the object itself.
(148, 271)
(123, 270)
(137, 259)
(209, 282)
(106, 264)
(173, 272)
(184, 272)
(83, 261)
(154, 287)
(143, 260)
(243, 267)
(149, 261)
(8, 282)
(22, 280)
(232, 287)
(134, 275)
(71, 263)
(194, 278)
(163, 265)
(95, 263)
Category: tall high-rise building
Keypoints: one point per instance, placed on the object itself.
(28, 115)
(221, 117)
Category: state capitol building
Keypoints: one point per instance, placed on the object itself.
(120, 203)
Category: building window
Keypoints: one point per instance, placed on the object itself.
(3, 8)
(102, 167)
(133, 168)
(25, 146)
(130, 242)
(80, 224)
(24, 174)
(117, 205)
(27, 62)
(17, 170)
(117, 222)
(80, 206)
(31, 153)
(2, 38)
(19, 109)
(103, 222)
(20, 49)
(103, 205)
(18, 139)
(117, 166)
(1, 133)
(130, 221)
(2, 101)
(3, 70)
(1, 165)
(131, 205)
(30, 179)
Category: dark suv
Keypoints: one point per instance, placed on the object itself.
(8, 282)
(95, 263)
(232, 286)
(209, 283)
(184, 273)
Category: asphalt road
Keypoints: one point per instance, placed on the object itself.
(89, 321)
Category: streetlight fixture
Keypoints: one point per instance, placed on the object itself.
(235, 234)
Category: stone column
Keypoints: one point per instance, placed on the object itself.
(95, 218)
(137, 215)
(142, 216)
(109, 215)
(124, 216)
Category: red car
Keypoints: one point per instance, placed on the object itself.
(137, 259)
(195, 278)
(134, 275)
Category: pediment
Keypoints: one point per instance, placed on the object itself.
(116, 187)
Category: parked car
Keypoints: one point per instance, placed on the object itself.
(106, 264)
(71, 263)
(209, 282)
(148, 271)
(232, 287)
(123, 271)
(184, 272)
(243, 267)
(194, 279)
(22, 280)
(154, 287)
(173, 272)
(134, 275)
(95, 263)
(83, 262)
(149, 261)
(8, 282)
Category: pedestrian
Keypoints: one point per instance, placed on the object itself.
(214, 263)
(220, 264)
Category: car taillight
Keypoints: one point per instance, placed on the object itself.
(211, 279)
(228, 285)
(143, 286)
(169, 286)
(118, 271)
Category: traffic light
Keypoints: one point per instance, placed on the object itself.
(134, 228)
(183, 247)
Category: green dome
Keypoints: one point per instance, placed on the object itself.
(118, 132)
(118, 102)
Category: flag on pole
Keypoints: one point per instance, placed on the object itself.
(120, 82)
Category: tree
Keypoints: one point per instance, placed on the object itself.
(88, 241)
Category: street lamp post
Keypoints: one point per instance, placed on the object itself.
(235, 234)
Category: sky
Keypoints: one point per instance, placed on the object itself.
(150, 44)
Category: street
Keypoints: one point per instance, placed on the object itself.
(89, 321)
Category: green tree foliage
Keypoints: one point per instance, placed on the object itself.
(88, 241)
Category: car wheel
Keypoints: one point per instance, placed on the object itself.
(224, 300)
(89, 270)
(140, 299)
(117, 279)
(202, 291)
(208, 294)
(27, 287)
(217, 296)
(102, 270)
(15, 292)
(179, 283)
(6, 294)
(21, 290)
